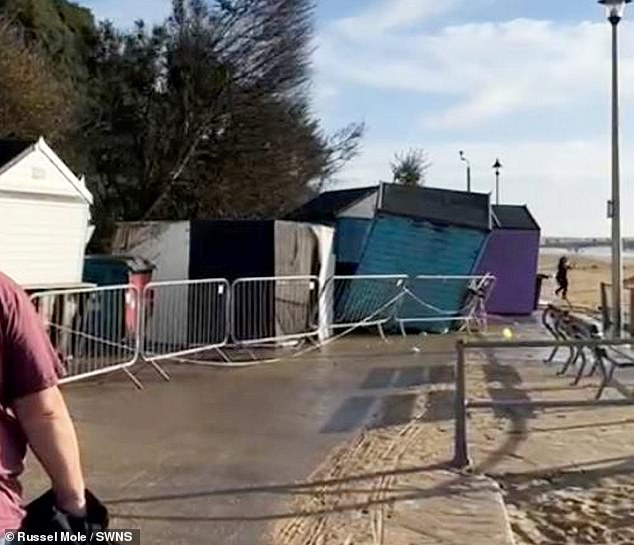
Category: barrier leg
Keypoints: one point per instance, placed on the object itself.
(401, 326)
(382, 332)
(572, 360)
(161, 372)
(137, 383)
(582, 367)
(222, 355)
(550, 358)
(607, 379)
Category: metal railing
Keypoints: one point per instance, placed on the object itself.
(94, 330)
(99, 330)
(185, 317)
(274, 309)
(462, 404)
(368, 300)
(442, 300)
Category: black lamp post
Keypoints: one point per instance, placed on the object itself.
(497, 166)
(615, 11)
(465, 160)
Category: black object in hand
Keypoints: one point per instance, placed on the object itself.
(43, 516)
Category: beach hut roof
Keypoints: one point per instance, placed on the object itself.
(436, 205)
(327, 206)
(508, 216)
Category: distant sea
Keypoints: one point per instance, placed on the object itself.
(599, 252)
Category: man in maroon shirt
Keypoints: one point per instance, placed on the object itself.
(32, 411)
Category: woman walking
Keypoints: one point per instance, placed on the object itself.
(562, 277)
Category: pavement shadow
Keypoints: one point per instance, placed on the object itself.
(350, 415)
(407, 377)
(383, 409)
(507, 380)
(366, 484)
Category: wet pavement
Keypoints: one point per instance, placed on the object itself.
(212, 457)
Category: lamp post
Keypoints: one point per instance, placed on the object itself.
(465, 160)
(497, 166)
(615, 11)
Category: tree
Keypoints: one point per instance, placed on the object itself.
(205, 115)
(208, 115)
(61, 30)
(411, 168)
(33, 102)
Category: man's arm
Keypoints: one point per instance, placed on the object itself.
(52, 438)
(30, 369)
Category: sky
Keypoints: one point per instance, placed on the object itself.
(525, 81)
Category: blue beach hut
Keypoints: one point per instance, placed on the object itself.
(351, 212)
(422, 231)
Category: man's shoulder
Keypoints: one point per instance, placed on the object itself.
(9, 289)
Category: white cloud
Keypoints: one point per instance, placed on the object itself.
(488, 70)
(392, 15)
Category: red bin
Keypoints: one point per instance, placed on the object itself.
(116, 270)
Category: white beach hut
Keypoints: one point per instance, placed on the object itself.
(44, 217)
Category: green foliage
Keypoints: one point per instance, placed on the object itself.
(410, 168)
(207, 115)
(64, 31)
(33, 101)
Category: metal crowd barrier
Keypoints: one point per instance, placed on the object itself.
(94, 330)
(185, 317)
(100, 330)
(368, 300)
(462, 404)
(442, 300)
(274, 309)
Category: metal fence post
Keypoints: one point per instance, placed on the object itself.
(461, 449)
(631, 313)
(605, 307)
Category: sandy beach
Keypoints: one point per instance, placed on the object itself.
(585, 278)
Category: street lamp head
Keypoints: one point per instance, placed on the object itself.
(615, 9)
(462, 156)
(497, 165)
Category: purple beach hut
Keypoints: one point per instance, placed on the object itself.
(511, 254)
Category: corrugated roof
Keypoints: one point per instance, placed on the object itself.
(437, 205)
(10, 149)
(514, 217)
(327, 205)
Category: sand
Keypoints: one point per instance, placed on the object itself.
(568, 510)
(568, 475)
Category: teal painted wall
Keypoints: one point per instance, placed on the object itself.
(350, 237)
(398, 245)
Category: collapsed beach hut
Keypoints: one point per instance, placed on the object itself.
(264, 307)
(511, 254)
(430, 235)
